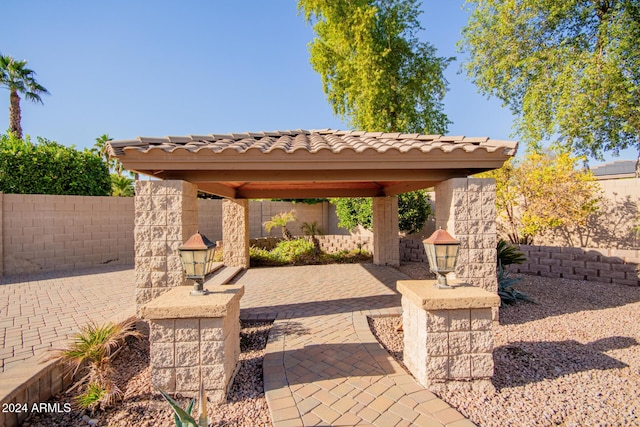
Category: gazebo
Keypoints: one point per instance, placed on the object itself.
(304, 164)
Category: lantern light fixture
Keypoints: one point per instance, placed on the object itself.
(442, 253)
(196, 256)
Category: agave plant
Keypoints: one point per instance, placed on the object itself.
(509, 295)
(91, 351)
(182, 417)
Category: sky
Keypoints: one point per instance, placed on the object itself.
(132, 68)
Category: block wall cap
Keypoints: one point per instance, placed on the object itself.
(425, 295)
(178, 304)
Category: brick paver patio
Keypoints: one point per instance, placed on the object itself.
(323, 365)
(40, 311)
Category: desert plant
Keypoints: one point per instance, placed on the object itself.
(312, 230)
(182, 417)
(509, 295)
(281, 220)
(92, 350)
(509, 254)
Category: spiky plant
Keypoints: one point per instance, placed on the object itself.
(509, 295)
(509, 254)
(281, 220)
(91, 351)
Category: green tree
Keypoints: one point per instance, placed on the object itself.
(375, 71)
(15, 76)
(50, 168)
(377, 74)
(544, 191)
(413, 211)
(569, 68)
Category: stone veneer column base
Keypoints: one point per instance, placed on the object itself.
(193, 339)
(448, 338)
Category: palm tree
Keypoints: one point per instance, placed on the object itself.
(281, 220)
(100, 149)
(121, 186)
(16, 77)
(311, 229)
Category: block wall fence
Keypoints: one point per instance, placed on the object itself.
(62, 233)
(47, 233)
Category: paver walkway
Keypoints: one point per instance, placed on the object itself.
(323, 365)
(39, 311)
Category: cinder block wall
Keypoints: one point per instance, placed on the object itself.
(599, 265)
(46, 233)
(210, 218)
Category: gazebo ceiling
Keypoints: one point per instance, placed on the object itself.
(317, 163)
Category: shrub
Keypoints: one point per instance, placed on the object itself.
(302, 251)
(292, 251)
(50, 168)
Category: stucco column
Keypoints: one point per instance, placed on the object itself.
(386, 242)
(235, 232)
(166, 214)
(466, 208)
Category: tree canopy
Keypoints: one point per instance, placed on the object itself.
(413, 211)
(375, 71)
(47, 167)
(19, 79)
(377, 74)
(567, 69)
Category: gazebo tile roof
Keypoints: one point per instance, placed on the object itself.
(313, 141)
(316, 163)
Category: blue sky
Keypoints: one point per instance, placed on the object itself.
(156, 68)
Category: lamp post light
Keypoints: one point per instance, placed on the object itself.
(442, 254)
(196, 256)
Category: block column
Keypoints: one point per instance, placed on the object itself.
(235, 232)
(448, 338)
(195, 339)
(166, 215)
(386, 242)
(466, 208)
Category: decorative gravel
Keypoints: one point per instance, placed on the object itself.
(570, 359)
(143, 407)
